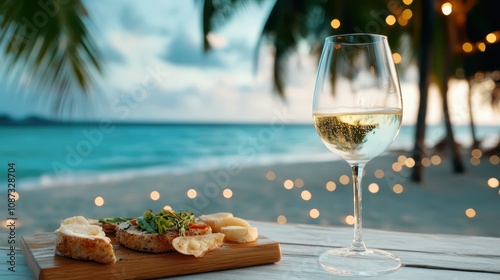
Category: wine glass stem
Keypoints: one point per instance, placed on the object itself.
(357, 175)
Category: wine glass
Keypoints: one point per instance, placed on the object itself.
(357, 112)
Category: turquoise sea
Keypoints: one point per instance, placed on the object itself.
(46, 155)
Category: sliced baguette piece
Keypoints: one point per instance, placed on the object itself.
(198, 245)
(76, 238)
(240, 234)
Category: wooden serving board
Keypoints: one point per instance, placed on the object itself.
(39, 250)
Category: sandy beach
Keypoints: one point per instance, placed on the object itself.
(288, 193)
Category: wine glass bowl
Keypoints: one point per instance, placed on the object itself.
(357, 112)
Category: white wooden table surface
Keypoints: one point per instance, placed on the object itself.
(424, 256)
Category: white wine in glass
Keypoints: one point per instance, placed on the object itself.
(357, 112)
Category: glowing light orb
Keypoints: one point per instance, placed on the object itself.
(314, 213)
(446, 8)
(281, 219)
(306, 195)
(335, 23)
(470, 213)
(227, 193)
(99, 201)
(270, 176)
(349, 220)
(344, 179)
(493, 183)
(154, 195)
(331, 186)
(192, 193)
(373, 188)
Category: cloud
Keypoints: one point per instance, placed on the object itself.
(132, 20)
(185, 51)
(111, 54)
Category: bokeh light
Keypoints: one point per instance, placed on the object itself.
(410, 162)
(191, 193)
(446, 8)
(426, 162)
(390, 20)
(306, 195)
(270, 176)
(397, 188)
(476, 153)
(330, 186)
(408, 2)
(6, 224)
(344, 179)
(402, 159)
(99, 201)
(349, 220)
(227, 193)
(14, 195)
(494, 159)
(481, 46)
(379, 173)
(299, 183)
(397, 58)
(288, 184)
(470, 213)
(467, 47)
(491, 38)
(373, 188)
(407, 14)
(335, 23)
(436, 160)
(402, 21)
(475, 161)
(154, 195)
(167, 208)
(314, 213)
(397, 167)
(493, 183)
(281, 219)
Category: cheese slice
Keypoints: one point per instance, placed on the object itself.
(217, 221)
(240, 234)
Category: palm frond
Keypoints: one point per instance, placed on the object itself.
(216, 13)
(49, 41)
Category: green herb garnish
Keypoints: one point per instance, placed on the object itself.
(114, 220)
(165, 220)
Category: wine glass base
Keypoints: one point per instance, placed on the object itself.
(345, 261)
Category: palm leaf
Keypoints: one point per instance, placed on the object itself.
(48, 41)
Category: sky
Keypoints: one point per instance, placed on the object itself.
(155, 70)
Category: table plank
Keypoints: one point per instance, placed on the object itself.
(425, 256)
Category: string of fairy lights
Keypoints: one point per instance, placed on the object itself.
(402, 16)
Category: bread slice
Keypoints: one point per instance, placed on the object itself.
(198, 245)
(76, 238)
(132, 237)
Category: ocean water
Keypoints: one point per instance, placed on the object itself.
(49, 155)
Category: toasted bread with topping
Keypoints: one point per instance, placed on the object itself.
(76, 238)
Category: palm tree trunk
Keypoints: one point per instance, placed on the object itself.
(458, 165)
(424, 62)
(475, 142)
